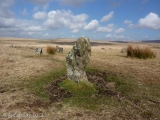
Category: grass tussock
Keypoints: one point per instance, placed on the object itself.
(140, 52)
(84, 88)
(51, 50)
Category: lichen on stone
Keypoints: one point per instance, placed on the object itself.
(77, 60)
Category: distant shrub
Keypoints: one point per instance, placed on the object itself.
(140, 52)
(51, 50)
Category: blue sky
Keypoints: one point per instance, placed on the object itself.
(97, 19)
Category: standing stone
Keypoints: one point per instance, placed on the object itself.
(124, 50)
(59, 49)
(77, 60)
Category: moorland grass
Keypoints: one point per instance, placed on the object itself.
(140, 99)
(82, 88)
(140, 52)
(37, 86)
(51, 50)
(84, 92)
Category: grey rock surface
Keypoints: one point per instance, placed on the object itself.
(124, 50)
(77, 60)
(38, 51)
(59, 49)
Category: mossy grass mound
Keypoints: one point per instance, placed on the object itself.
(82, 88)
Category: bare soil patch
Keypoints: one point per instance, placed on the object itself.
(55, 92)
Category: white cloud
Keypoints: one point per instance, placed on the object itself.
(107, 17)
(31, 33)
(34, 34)
(40, 15)
(119, 30)
(13, 27)
(34, 28)
(108, 36)
(61, 18)
(152, 21)
(7, 22)
(129, 22)
(108, 28)
(145, 36)
(92, 25)
(46, 34)
(75, 31)
(18, 27)
(5, 8)
(6, 3)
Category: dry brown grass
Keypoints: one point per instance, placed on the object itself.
(51, 50)
(140, 52)
(114, 61)
(18, 65)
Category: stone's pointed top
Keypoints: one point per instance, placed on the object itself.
(77, 59)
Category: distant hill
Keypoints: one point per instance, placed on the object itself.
(119, 41)
(151, 41)
(72, 43)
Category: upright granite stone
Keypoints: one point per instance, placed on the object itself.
(124, 50)
(77, 60)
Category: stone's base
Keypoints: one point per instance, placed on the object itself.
(77, 60)
(77, 75)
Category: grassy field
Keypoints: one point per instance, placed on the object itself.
(133, 84)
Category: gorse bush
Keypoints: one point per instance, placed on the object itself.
(51, 50)
(140, 52)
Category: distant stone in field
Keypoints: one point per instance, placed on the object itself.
(14, 46)
(38, 51)
(59, 49)
(124, 50)
(77, 60)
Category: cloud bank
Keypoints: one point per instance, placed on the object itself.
(152, 21)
